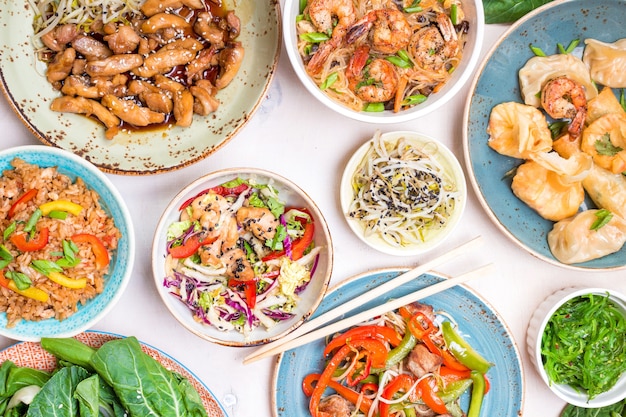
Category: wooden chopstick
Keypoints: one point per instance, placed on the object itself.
(374, 312)
(362, 299)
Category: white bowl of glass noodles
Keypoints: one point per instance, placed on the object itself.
(403, 193)
(575, 340)
(396, 79)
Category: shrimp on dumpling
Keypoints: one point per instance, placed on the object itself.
(605, 141)
(552, 195)
(589, 235)
(517, 130)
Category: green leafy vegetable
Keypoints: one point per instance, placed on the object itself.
(22, 281)
(87, 394)
(604, 146)
(507, 11)
(56, 396)
(615, 410)
(584, 344)
(329, 81)
(314, 37)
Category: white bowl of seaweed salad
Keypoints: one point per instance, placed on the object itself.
(403, 193)
(577, 341)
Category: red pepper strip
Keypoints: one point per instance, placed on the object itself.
(369, 389)
(377, 351)
(223, 191)
(416, 327)
(353, 396)
(24, 198)
(402, 382)
(24, 244)
(298, 246)
(97, 247)
(378, 332)
(4, 281)
(487, 383)
(250, 292)
(359, 373)
(449, 374)
(430, 397)
(190, 247)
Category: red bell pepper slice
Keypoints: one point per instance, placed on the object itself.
(402, 382)
(298, 246)
(21, 241)
(24, 198)
(250, 292)
(223, 191)
(349, 394)
(97, 247)
(429, 395)
(449, 374)
(190, 246)
(379, 332)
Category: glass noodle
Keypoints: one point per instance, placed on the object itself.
(401, 192)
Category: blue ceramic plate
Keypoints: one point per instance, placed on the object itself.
(122, 260)
(496, 82)
(32, 355)
(478, 323)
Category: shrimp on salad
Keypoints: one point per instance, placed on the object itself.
(238, 258)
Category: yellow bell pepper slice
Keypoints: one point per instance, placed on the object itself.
(30, 292)
(66, 281)
(60, 205)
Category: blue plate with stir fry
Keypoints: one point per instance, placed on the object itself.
(477, 324)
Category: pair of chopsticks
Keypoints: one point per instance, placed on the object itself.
(312, 330)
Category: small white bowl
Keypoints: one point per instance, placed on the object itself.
(433, 238)
(310, 298)
(474, 15)
(534, 334)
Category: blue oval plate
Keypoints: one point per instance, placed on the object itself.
(496, 82)
(122, 261)
(478, 322)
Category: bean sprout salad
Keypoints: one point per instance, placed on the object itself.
(401, 192)
(239, 258)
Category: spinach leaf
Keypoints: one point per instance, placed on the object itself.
(507, 11)
(142, 384)
(615, 410)
(109, 404)
(87, 394)
(56, 396)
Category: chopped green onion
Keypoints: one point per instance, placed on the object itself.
(602, 218)
(302, 5)
(329, 81)
(572, 45)
(453, 13)
(9, 230)
(5, 257)
(314, 37)
(45, 266)
(32, 221)
(374, 107)
(414, 7)
(414, 99)
(299, 18)
(556, 128)
(404, 55)
(537, 51)
(58, 214)
(21, 280)
(399, 62)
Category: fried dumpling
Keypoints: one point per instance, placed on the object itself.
(604, 103)
(517, 130)
(607, 190)
(541, 69)
(552, 195)
(605, 141)
(606, 62)
(574, 240)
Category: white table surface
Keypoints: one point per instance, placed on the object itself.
(294, 135)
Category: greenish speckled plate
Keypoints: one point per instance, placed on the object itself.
(496, 82)
(478, 323)
(139, 153)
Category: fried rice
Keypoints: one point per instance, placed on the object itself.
(92, 219)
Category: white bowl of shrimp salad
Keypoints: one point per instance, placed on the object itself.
(242, 256)
(403, 193)
(391, 64)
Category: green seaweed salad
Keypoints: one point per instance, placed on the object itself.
(116, 380)
(584, 344)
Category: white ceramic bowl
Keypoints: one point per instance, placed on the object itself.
(310, 298)
(121, 265)
(432, 239)
(534, 334)
(474, 15)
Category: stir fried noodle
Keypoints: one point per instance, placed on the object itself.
(401, 192)
(376, 55)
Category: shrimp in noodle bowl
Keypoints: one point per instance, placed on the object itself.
(422, 40)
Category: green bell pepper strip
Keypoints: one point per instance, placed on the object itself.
(462, 350)
(400, 352)
(478, 393)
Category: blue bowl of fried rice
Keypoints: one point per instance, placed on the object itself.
(104, 215)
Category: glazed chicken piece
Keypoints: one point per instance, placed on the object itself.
(421, 361)
(91, 48)
(94, 88)
(183, 108)
(58, 38)
(205, 60)
(153, 97)
(161, 21)
(206, 27)
(204, 101)
(114, 65)
(61, 67)
(259, 221)
(336, 406)
(163, 61)
(130, 112)
(123, 40)
(237, 266)
(167, 84)
(230, 59)
(152, 7)
(87, 107)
